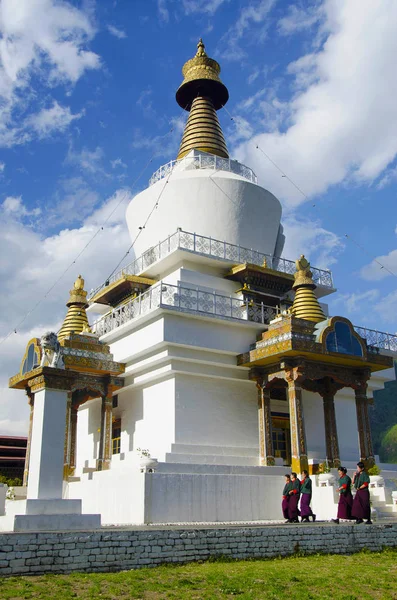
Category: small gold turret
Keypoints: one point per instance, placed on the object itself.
(76, 318)
(202, 93)
(306, 305)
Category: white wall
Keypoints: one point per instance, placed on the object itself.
(216, 412)
(88, 435)
(215, 204)
(314, 424)
(346, 423)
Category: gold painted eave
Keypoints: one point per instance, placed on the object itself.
(125, 284)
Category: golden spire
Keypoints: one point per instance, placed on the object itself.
(76, 318)
(202, 93)
(306, 305)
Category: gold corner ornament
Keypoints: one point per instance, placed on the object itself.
(306, 305)
(76, 320)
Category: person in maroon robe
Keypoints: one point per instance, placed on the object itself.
(294, 493)
(284, 503)
(306, 496)
(345, 496)
(361, 505)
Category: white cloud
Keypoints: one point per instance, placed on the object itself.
(87, 160)
(252, 20)
(305, 236)
(47, 39)
(357, 301)
(118, 33)
(163, 10)
(118, 163)
(14, 206)
(298, 18)
(50, 120)
(342, 121)
(2, 167)
(202, 6)
(380, 267)
(30, 264)
(387, 309)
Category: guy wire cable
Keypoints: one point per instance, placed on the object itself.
(39, 302)
(314, 204)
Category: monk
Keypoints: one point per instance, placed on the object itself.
(345, 496)
(284, 503)
(293, 501)
(306, 496)
(361, 507)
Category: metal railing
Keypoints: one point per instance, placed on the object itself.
(212, 248)
(378, 339)
(184, 299)
(204, 161)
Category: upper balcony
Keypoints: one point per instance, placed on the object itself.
(192, 300)
(202, 246)
(204, 161)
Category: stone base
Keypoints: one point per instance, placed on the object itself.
(59, 522)
(55, 506)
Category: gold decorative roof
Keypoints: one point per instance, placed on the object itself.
(202, 93)
(76, 318)
(306, 305)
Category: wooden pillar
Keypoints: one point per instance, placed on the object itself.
(331, 433)
(27, 457)
(363, 425)
(297, 424)
(73, 436)
(105, 442)
(265, 425)
(67, 447)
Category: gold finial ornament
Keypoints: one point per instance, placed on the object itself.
(202, 93)
(306, 305)
(76, 318)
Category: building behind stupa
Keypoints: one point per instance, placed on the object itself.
(229, 368)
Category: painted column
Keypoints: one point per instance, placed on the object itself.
(265, 425)
(363, 425)
(331, 433)
(66, 460)
(297, 424)
(73, 435)
(27, 457)
(47, 444)
(105, 442)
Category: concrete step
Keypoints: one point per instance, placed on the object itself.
(196, 449)
(211, 459)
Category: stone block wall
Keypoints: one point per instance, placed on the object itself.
(122, 549)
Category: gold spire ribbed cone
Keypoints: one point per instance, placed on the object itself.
(76, 318)
(203, 131)
(306, 305)
(202, 93)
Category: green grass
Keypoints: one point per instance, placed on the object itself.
(364, 575)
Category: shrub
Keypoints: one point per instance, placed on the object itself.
(10, 481)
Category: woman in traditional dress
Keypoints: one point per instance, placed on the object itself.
(306, 496)
(293, 501)
(361, 507)
(284, 503)
(345, 496)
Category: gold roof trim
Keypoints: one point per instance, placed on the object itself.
(306, 305)
(105, 294)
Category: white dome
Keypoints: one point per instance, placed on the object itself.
(213, 203)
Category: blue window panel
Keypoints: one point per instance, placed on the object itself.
(343, 341)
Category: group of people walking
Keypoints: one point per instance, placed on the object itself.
(358, 508)
(292, 492)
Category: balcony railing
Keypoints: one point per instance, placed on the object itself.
(196, 301)
(204, 161)
(378, 339)
(212, 248)
(184, 299)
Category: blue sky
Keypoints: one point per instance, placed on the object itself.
(88, 99)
